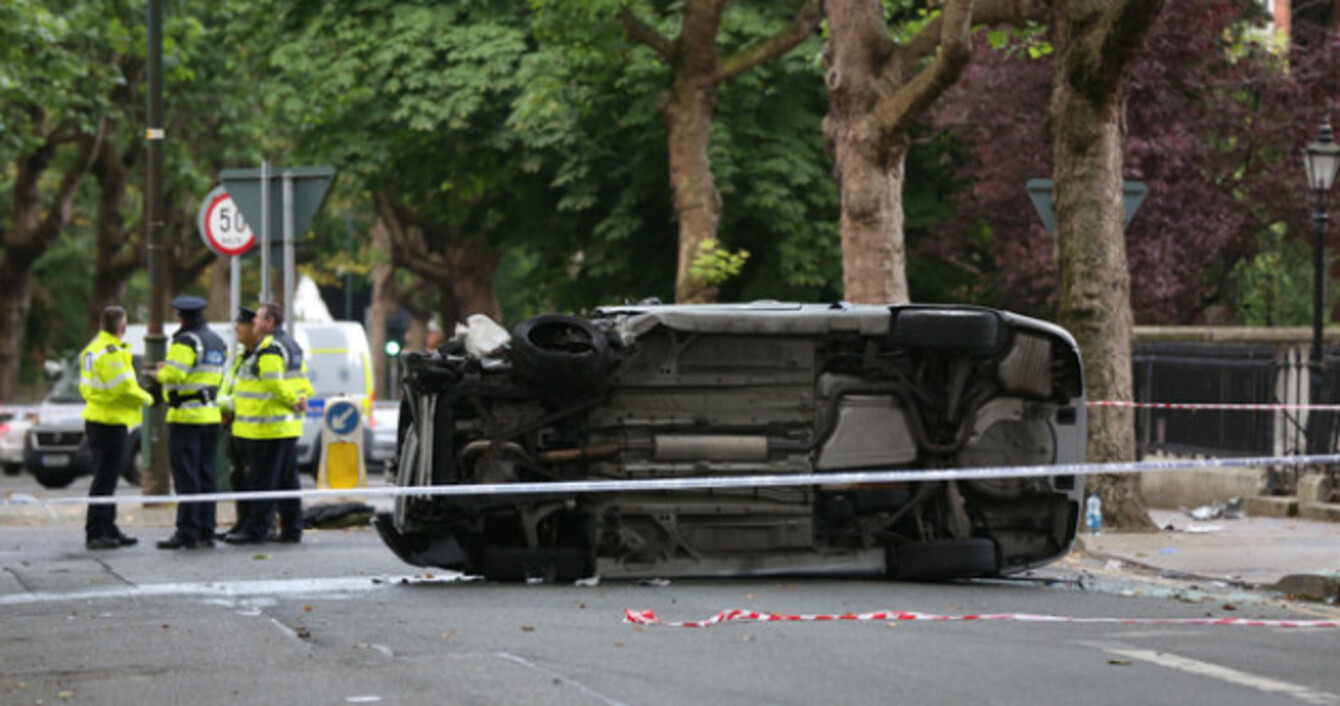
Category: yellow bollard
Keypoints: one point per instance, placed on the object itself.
(342, 465)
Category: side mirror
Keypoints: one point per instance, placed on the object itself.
(53, 369)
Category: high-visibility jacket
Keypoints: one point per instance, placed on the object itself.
(268, 386)
(192, 374)
(295, 366)
(107, 382)
(229, 385)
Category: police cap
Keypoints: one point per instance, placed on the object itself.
(245, 315)
(189, 305)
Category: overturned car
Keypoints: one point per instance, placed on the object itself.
(730, 391)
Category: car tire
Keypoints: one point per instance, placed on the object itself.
(965, 330)
(556, 350)
(942, 560)
(54, 477)
(13, 469)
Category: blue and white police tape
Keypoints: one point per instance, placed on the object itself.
(573, 487)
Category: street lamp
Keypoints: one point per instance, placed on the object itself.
(1321, 159)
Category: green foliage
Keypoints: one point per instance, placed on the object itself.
(714, 264)
(50, 69)
(592, 109)
(1275, 287)
(57, 326)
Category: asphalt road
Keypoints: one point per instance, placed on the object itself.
(340, 620)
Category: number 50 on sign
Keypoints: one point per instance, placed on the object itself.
(221, 224)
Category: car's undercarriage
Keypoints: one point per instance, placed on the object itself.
(656, 392)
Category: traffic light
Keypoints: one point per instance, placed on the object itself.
(397, 325)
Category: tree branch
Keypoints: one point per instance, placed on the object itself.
(898, 112)
(1112, 40)
(1130, 22)
(63, 203)
(988, 13)
(643, 33)
(408, 249)
(806, 19)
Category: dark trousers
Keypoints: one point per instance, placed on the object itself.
(237, 475)
(107, 442)
(290, 510)
(192, 448)
(271, 465)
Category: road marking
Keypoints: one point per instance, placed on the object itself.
(566, 680)
(1228, 674)
(229, 589)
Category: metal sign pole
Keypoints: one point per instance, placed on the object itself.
(289, 235)
(234, 285)
(265, 230)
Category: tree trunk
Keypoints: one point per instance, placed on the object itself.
(873, 252)
(1098, 40)
(15, 299)
(383, 305)
(473, 267)
(689, 117)
(461, 268)
(877, 91)
(697, 71)
(33, 227)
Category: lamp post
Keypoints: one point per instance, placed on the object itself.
(1321, 159)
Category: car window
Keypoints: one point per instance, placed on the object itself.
(66, 389)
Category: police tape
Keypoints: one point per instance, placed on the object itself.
(1217, 406)
(648, 617)
(574, 487)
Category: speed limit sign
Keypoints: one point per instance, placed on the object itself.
(222, 226)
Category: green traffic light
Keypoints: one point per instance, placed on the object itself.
(393, 348)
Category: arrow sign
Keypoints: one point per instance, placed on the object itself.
(310, 185)
(342, 417)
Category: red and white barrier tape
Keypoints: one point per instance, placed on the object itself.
(1221, 406)
(648, 617)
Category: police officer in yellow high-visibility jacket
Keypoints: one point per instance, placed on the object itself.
(191, 376)
(270, 400)
(115, 402)
(244, 331)
(295, 375)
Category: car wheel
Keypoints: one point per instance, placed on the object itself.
(555, 350)
(966, 330)
(944, 559)
(54, 477)
(13, 469)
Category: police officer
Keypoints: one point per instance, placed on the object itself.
(115, 402)
(270, 401)
(191, 377)
(245, 331)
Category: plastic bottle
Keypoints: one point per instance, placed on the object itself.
(1093, 514)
